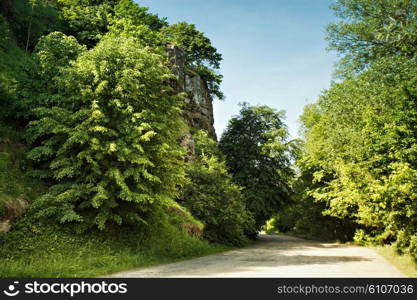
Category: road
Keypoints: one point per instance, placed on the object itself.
(278, 256)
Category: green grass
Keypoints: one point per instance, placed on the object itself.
(404, 263)
(49, 251)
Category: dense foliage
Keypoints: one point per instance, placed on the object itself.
(29, 20)
(92, 175)
(258, 154)
(90, 112)
(303, 215)
(108, 135)
(212, 197)
(368, 30)
(367, 161)
(361, 135)
(104, 122)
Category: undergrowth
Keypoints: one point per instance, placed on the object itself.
(33, 249)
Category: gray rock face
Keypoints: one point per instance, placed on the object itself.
(13, 209)
(198, 109)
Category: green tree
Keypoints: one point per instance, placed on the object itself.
(258, 154)
(30, 19)
(38, 85)
(108, 137)
(131, 20)
(131, 14)
(87, 20)
(368, 30)
(90, 20)
(212, 197)
(363, 142)
(361, 134)
(304, 215)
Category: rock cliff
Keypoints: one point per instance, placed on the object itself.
(198, 110)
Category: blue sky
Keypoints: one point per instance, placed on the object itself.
(274, 51)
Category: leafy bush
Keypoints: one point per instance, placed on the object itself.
(212, 197)
(108, 137)
(39, 80)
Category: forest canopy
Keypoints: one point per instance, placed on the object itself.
(361, 134)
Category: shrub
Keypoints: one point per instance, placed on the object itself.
(212, 197)
(107, 139)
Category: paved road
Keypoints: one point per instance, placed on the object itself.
(279, 256)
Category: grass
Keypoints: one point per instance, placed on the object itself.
(48, 251)
(96, 263)
(404, 263)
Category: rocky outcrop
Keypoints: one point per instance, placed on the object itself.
(13, 209)
(198, 108)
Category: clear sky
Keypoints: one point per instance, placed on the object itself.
(274, 51)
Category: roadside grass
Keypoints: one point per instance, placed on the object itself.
(48, 251)
(98, 262)
(404, 263)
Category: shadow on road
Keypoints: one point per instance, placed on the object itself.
(278, 256)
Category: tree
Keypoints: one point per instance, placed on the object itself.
(258, 154)
(131, 20)
(54, 53)
(363, 142)
(368, 30)
(127, 11)
(87, 20)
(304, 215)
(107, 139)
(212, 197)
(361, 134)
(30, 19)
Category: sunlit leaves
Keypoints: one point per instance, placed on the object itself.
(362, 139)
(117, 137)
